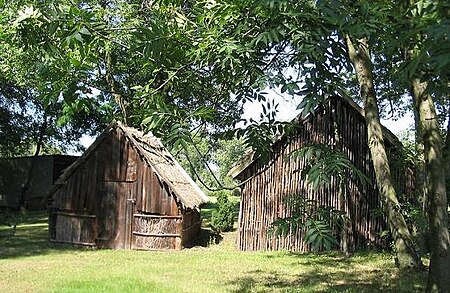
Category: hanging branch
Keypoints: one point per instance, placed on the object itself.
(221, 186)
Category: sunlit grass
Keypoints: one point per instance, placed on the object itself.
(29, 264)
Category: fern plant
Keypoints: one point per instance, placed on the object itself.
(312, 220)
(322, 165)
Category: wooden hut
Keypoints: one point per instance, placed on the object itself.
(14, 174)
(125, 192)
(339, 124)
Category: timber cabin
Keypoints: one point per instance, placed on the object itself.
(340, 124)
(125, 192)
(14, 173)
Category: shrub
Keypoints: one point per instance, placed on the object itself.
(222, 218)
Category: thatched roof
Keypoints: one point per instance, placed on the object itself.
(249, 156)
(154, 155)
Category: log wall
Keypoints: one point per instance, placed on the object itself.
(340, 126)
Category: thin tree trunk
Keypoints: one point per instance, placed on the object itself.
(113, 88)
(345, 222)
(420, 177)
(447, 154)
(406, 254)
(420, 174)
(420, 184)
(26, 186)
(439, 271)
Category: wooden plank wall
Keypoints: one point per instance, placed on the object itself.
(262, 200)
(112, 175)
(75, 228)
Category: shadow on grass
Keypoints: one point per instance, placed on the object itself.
(30, 237)
(205, 238)
(328, 275)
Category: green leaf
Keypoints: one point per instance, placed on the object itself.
(78, 37)
(84, 31)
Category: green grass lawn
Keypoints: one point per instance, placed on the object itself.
(29, 264)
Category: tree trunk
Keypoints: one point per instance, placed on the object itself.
(420, 183)
(345, 222)
(113, 88)
(406, 254)
(447, 154)
(420, 174)
(26, 186)
(439, 271)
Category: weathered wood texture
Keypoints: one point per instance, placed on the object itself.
(128, 205)
(340, 126)
(157, 232)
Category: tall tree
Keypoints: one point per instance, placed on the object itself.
(37, 83)
(424, 20)
(439, 271)
(405, 249)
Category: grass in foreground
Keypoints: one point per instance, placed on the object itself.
(29, 264)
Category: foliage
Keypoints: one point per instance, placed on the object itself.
(312, 220)
(225, 155)
(222, 219)
(209, 160)
(173, 66)
(34, 87)
(413, 212)
(324, 163)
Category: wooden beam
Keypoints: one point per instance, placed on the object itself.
(156, 216)
(156, 235)
(73, 242)
(71, 214)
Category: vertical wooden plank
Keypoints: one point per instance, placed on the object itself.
(131, 164)
(140, 188)
(129, 211)
(146, 189)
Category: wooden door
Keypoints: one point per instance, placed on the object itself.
(117, 213)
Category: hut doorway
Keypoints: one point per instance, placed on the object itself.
(118, 205)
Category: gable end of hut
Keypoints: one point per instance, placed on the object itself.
(117, 195)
